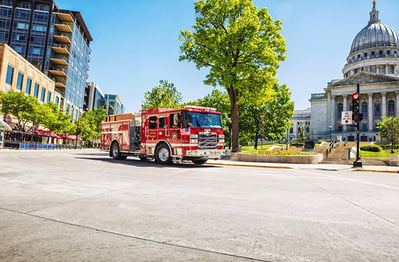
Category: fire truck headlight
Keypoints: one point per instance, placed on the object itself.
(194, 139)
(221, 139)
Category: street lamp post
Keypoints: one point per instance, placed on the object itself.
(330, 131)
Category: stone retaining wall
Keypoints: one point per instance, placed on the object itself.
(394, 161)
(305, 159)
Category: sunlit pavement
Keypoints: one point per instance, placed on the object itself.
(83, 206)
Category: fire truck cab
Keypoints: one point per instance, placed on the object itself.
(167, 135)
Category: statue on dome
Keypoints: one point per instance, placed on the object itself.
(374, 3)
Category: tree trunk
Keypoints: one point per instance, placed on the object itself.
(234, 120)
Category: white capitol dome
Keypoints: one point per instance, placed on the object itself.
(375, 49)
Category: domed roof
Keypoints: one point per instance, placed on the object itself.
(375, 34)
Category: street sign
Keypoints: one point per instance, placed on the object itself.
(346, 118)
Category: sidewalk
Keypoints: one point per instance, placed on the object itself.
(329, 167)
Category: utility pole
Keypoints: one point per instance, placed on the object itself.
(357, 117)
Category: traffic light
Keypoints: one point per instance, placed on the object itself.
(356, 116)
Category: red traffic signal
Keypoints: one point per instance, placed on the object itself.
(355, 96)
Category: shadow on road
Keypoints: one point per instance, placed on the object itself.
(138, 163)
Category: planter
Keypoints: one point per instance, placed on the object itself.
(305, 159)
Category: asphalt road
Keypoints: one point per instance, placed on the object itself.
(83, 206)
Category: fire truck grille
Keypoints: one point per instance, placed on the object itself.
(207, 140)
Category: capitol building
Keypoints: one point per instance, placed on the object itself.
(373, 63)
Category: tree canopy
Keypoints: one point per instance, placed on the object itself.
(241, 45)
(165, 95)
(389, 130)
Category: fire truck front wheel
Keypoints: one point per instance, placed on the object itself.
(163, 155)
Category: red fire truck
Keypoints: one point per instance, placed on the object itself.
(167, 135)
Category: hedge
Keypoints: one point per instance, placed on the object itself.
(371, 148)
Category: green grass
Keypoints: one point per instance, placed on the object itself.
(377, 154)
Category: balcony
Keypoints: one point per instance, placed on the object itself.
(62, 38)
(59, 60)
(61, 49)
(64, 27)
(60, 82)
(65, 17)
(58, 71)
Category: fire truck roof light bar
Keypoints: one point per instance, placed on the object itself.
(211, 109)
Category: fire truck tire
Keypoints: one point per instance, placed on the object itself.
(116, 153)
(163, 155)
(199, 161)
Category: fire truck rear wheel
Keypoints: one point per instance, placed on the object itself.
(116, 153)
(162, 155)
(199, 161)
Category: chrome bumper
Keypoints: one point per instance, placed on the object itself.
(210, 154)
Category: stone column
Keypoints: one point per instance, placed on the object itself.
(384, 104)
(370, 112)
(345, 108)
(333, 113)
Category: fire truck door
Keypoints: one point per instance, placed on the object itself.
(151, 134)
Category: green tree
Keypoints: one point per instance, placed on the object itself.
(389, 129)
(88, 127)
(25, 109)
(269, 121)
(241, 45)
(165, 95)
(56, 120)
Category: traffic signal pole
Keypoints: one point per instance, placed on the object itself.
(358, 162)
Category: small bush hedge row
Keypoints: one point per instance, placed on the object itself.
(371, 148)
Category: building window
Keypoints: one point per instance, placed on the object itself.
(364, 127)
(36, 90)
(377, 109)
(48, 97)
(391, 108)
(340, 108)
(364, 109)
(42, 95)
(28, 86)
(19, 80)
(10, 72)
(57, 100)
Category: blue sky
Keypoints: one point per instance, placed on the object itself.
(136, 43)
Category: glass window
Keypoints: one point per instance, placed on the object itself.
(10, 72)
(377, 109)
(391, 108)
(364, 109)
(340, 108)
(202, 120)
(36, 91)
(48, 97)
(162, 122)
(24, 4)
(174, 120)
(19, 80)
(42, 94)
(6, 2)
(43, 7)
(22, 26)
(57, 100)
(153, 122)
(364, 127)
(28, 86)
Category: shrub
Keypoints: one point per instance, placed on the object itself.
(371, 148)
(298, 144)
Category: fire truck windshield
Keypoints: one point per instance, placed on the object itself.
(202, 120)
